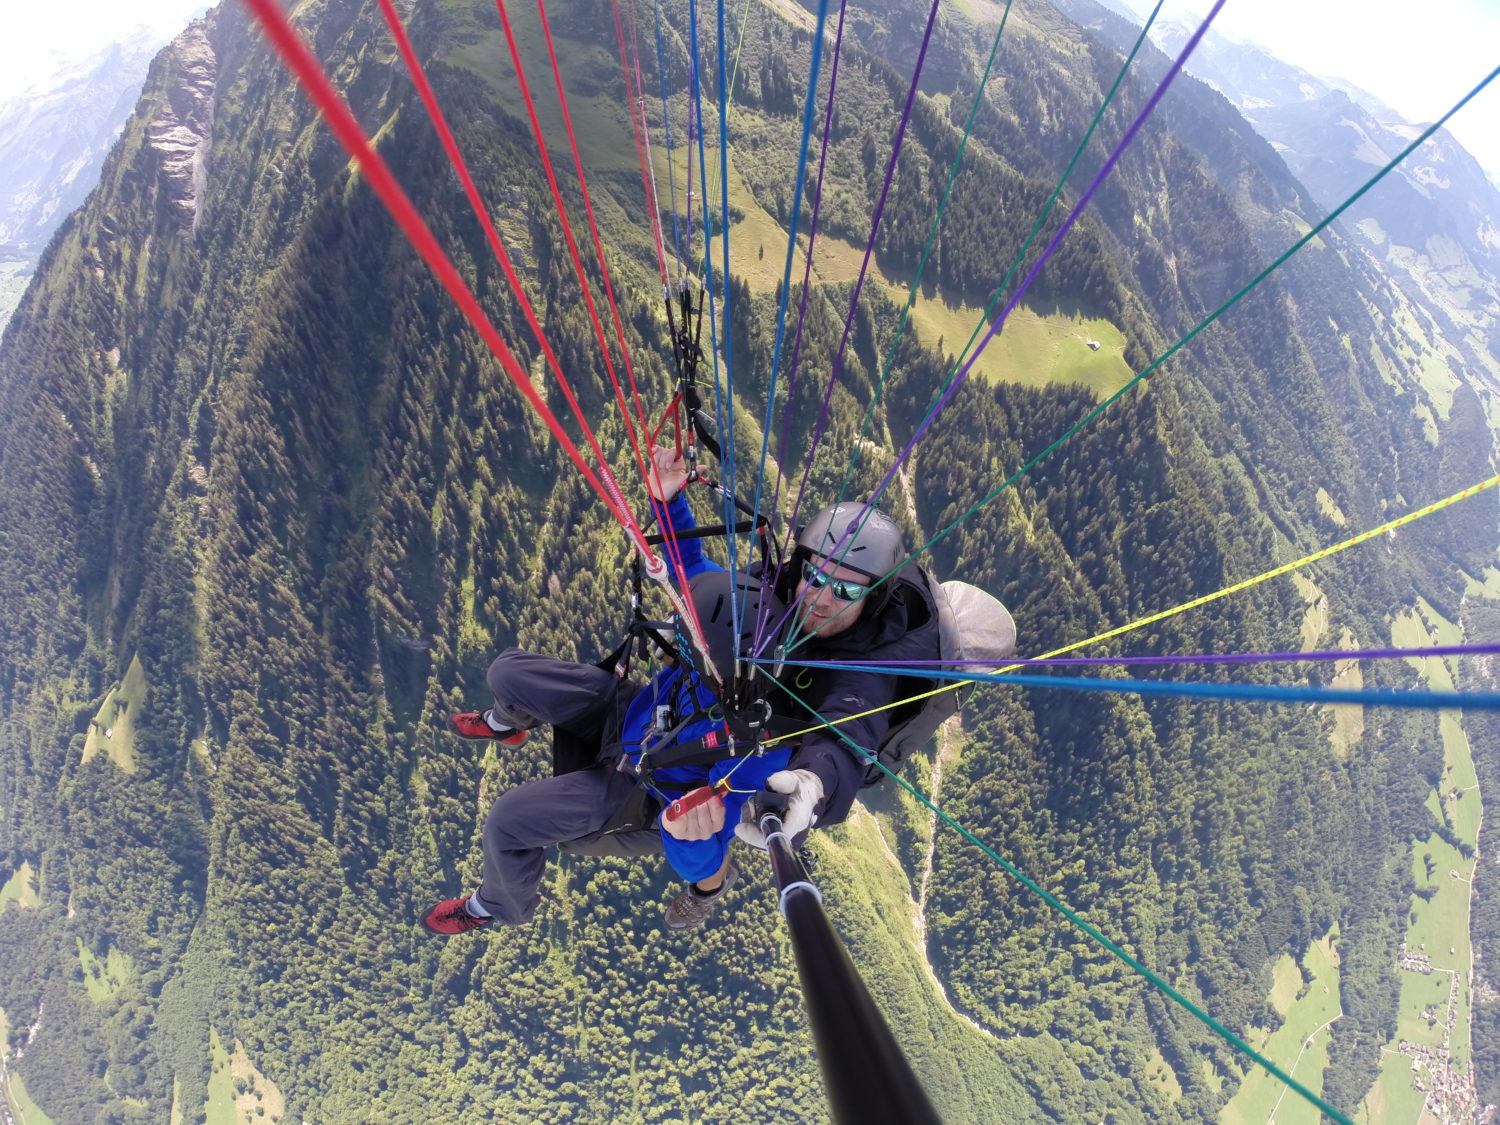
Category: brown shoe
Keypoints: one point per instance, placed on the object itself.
(692, 907)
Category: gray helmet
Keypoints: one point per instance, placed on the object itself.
(875, 549)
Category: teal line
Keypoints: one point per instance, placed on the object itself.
(1057, 904)
(1036, 228)
(1047, 210)
(916, 285)
(1175, 348)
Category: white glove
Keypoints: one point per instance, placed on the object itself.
(805, 789)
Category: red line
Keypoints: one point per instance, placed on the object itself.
(588, 209)
(672, 550)
(455, 157)
(635, 101)
(341, 121)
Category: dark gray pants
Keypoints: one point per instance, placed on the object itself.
(592, 811)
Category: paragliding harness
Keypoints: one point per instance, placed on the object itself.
(744, 725)
(972, 625)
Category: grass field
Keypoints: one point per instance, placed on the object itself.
(22, 1108)
(103, 977)
(1393, 1099)
(1315, 617)
(1310, 993)
(1330, 509)
(1161, 1075)
(113, 728)
(220, 1085)
(1031, 349)
(1348, 718)
(20, 889)
(1435, 1004)
(1489, 588)
(256, 1099)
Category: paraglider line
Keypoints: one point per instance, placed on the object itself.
(460, 166)
(847, 538)
(1301, 242)
(635, 101)
(1337, 654)
(588, 208)
(1093, 932)
(536, 128)
(809, 106)
(890, 174)
(341, 121)
(1020, 254)
(666, 125)
(1276, 693)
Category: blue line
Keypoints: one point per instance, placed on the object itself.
(1276, 693)
(808, 113)
(732, 539)
(666, 120)
(708, 264)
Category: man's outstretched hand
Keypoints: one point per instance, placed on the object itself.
(803, 789)
(667, 474)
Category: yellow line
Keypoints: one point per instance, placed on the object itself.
(1410, 517)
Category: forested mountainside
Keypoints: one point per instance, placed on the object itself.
(267, 510)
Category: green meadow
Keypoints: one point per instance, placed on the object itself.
(1307, 998)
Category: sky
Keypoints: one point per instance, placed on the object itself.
(1418, 58)
(41, 36)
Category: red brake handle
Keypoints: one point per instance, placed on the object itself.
(687, 804)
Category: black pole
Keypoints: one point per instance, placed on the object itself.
(868, 1079)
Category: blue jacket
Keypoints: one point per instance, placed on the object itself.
(680, 689)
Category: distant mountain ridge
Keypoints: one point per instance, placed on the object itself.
(53, 141)
(1434, 222)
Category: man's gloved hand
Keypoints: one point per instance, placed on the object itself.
(805, 790)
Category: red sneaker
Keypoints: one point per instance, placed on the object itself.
(452, 916)
(473, 725)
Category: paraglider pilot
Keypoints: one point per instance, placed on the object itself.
(614, 804)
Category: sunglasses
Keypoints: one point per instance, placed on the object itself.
(844, 591)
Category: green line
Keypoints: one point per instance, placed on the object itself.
(734, 74)
(916, 284)
(1020, 255)
(1213, 316)
(1056, 904)
(1047, 210)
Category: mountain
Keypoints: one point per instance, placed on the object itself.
(1434, 224)
(268, 508)
(53, 141)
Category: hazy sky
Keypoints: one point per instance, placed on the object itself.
(39, 36)
(1419, 58)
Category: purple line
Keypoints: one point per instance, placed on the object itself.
(958, 380)
(890, 174)
(812, 234)
(1099, 178)
(1210, 658)
(1114, 157)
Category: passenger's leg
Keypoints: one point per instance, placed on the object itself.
(522, 823)
(531, 689)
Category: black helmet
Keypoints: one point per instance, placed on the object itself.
(721, 601)
(875, 549)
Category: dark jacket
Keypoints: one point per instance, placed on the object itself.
(904, 629)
